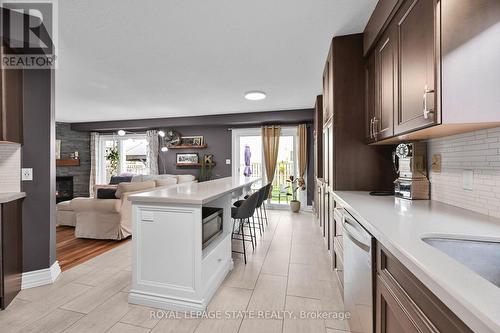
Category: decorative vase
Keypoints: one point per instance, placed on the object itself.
(295, 206)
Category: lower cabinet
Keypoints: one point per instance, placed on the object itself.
(404, 304)
(11, 258)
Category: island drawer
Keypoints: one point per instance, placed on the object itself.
(216, 259)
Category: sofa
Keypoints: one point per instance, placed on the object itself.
(111, 218)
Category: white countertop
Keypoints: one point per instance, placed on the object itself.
(194, 193)
(400, 224)
(10, 196)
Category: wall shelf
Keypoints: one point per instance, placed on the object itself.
(192, 165)
(68, 162)
(188, 147)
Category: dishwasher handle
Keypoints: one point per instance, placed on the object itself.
(354, 232)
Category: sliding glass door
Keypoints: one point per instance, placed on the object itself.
(248, 160)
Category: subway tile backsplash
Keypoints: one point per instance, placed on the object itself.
(478, 151)
(10, 167)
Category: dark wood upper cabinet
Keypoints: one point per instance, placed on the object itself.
(416, 66)
(386, 92)
(348, 162)
(11, 103)
(327, 88)
(370, 100)
(443, 58)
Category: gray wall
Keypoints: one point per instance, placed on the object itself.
(72, 141)
(216, 132)
(39, 246)
(218, 140)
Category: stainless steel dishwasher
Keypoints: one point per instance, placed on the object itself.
(358, 274)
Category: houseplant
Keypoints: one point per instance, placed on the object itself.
(296, 184)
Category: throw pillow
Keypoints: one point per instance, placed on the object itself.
(106, 193)
(119, 179)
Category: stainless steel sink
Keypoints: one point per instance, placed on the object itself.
(483, 257)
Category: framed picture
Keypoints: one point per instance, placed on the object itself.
(192, 140)
(187, 158)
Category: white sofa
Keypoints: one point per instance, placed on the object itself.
(111, 218)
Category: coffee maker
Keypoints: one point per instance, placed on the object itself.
(410, 162)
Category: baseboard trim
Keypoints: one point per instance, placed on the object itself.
(40, 277)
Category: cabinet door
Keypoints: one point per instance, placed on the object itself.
(385, 84)
(11, 104)
(416, 59)
(391, 317)
(370, 99)
(327, 89)
(11, 251)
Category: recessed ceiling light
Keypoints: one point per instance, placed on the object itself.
(164, 149)
(121, 132)
(255, 95)
(161, 133)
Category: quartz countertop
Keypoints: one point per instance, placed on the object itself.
(194, 193)
(10, 196)
(400, 224)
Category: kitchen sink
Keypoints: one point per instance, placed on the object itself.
(483, 257)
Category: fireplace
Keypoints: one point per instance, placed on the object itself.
(64, 188)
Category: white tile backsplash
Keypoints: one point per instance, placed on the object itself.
(10, 167)
(478, 151)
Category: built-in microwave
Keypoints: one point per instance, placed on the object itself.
(212, 224)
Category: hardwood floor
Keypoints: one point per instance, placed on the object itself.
(72, 251)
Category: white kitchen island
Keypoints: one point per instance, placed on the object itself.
(170, 268)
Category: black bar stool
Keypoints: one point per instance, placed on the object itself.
(242, 215)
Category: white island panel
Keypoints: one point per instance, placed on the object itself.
(170, 269)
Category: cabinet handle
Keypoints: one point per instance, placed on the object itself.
(424, 102)
(371, 128)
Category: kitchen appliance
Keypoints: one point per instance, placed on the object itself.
(212, 223)
(359, 257)
(410, 160)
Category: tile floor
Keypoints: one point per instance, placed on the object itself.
(288, 271)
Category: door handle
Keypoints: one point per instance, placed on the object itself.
(424, 102)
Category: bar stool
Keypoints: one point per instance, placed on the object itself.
(268, 188)
(242, 215)
(258, 208)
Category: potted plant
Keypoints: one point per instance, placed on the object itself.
(296, 184)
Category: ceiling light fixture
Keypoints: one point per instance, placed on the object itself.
(255, 95)
(164, 149)
(121, 132)
(161, 133)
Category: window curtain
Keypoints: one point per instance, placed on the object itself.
(94, 149)
(270, 143)
(152, 154)
(302, 134)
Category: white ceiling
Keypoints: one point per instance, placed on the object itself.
(124, 59)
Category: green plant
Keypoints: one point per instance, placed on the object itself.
(296, 184)
(113, 157)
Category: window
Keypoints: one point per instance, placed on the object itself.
(122, 154)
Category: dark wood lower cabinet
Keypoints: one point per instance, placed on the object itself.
(404, 304)
(11, 259)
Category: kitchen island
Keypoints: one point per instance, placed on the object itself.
(173, 266)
